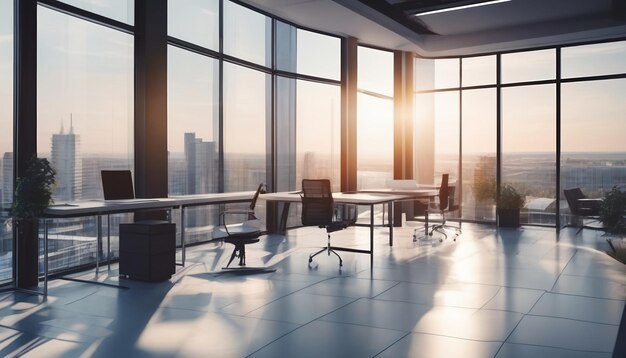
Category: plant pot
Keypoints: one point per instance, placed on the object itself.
(27, 274)
(508, 217)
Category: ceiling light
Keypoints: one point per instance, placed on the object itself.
(460, 7)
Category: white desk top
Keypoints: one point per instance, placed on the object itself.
(414, 193)
(340, 198)
(97, 207)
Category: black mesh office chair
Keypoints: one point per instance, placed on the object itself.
(583, 207)
(240, 234)
(446, 204)
(318, 209)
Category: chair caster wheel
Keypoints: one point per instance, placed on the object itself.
(340, 263)
(310, 259)
(431, 234)
(440, 240)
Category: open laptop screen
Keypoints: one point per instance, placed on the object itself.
(117, 184)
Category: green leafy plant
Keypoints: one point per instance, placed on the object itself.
(510, 198)
(485, 190)
(612, 211)
(33, 190)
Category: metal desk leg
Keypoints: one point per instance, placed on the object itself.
(372, 236)
(390, 217)
(109, 241)
(182, 233)
(98, 242)
(45, 258)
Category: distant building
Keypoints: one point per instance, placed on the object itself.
(201, 174)
(64, 160)
(201, 163)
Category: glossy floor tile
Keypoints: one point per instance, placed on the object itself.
(527, 292)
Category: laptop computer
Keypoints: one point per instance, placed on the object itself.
(117, 185)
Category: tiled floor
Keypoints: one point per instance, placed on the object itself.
(512, 293)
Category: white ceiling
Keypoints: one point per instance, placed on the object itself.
(505, 26)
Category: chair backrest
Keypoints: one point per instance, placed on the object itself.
(259, 190)
(444, 192)
(572, 196)
(317, 202)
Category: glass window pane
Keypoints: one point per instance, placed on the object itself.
(195, 21)
(436, 74)
(192, 135)
(424, 73)
(593, 155)
(529, 66)
(375, 71)
(528, 148)
(374, 141)
(318, 111)
(436, 149)
(447, 135)
(446, 73)
(594, 60)
(247, 34)
(374, 118)
(247, 105)
(192, 122)
(479, 71)
(479, 154)
(319, 55)
(85, 84)
(6, 139)
(286, 47)
(120, 10)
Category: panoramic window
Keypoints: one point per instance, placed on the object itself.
(120, 10)
(528, 149)
(592, 157)
(374, 118)
(247, 34)
(85, 84)
(6, 139)
(247, 107)
(593, 60)
(479, 71)
(479, 153)
(529, 66)
(195, 21)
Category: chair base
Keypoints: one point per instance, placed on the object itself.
(329, 249)
(441, 228)
(240, 250)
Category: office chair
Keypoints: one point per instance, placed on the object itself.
(318, 209)
(240, 234)
(446, 204)
(584, 209)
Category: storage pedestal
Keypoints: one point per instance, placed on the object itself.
(148, 250)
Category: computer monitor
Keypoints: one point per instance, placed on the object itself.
(117, 184)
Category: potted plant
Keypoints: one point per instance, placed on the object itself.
(509, 204)
(33, 194)
(485, 194)
(613, 210)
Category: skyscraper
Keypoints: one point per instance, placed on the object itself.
(200, 158)
(64, 155)
(201, 170)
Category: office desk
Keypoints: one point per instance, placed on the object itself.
(414, 194)
(361, 199)
(98, 208)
